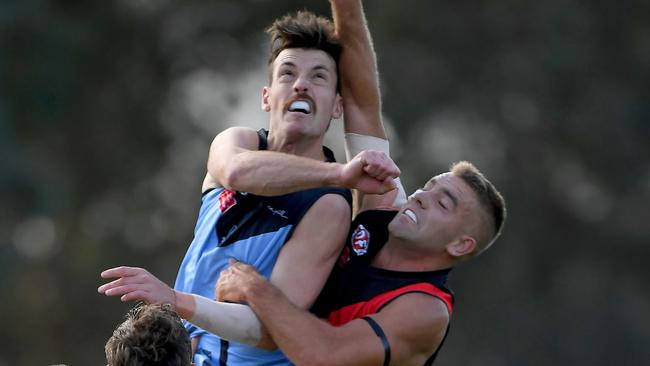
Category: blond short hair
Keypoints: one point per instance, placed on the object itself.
(493, 206)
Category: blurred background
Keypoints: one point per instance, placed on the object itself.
(108, 108)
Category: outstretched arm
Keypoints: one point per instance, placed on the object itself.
(361, 95)
(236, 163)
(300, 272)
(230, 321)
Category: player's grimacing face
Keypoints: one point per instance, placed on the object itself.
(437, 213)
(303, 89)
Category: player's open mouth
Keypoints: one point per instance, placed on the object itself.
(301, 106)
(411, 215)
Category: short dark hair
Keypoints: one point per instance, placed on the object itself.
(304, 30)
(151, 334)
(490, 200)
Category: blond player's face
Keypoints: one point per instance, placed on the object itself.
(437, 214)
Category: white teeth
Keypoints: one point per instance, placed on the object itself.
(300, 106)
(411, 215)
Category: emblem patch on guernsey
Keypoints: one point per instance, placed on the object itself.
(226, 200)
(360, 240)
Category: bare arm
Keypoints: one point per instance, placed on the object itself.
(358, 69)
(300, 271)
(234, 322)
(306, 260)
(236, 164)
(414, 325)
(361, 96)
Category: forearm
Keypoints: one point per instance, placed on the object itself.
(358, 70)
(300, 335)
(271, 173)
(234, 322)
(352, 29)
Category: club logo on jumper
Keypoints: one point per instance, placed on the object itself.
(226, 200)
(360, 240)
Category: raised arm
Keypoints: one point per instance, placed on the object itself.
(361, 95)
(358, 70)
(236, 163)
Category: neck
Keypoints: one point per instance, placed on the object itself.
(300, 145)
(399, 255)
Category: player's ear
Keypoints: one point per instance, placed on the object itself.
(266, 106)
(462, 246)
(337, 108)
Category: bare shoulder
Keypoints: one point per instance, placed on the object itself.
(240, 136)
(415, 325)
(431, 311)
(328, 219)
(330, 209)
(331, 203)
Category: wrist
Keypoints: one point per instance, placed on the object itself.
(258, 291)
(334, 176)
(184, 304)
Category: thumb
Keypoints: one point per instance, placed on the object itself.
(389, 184)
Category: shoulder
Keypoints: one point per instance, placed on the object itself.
(331, 203)
(329, 212)
(417, 322)
(431, 309)
(242, 136)
(319, 198)
(313, 207)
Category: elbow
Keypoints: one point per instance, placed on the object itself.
(231, 177)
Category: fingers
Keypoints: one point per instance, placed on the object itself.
(238, 266)
(135, 283)
(124, 275)
(130, 293)
(121, 290)
(224, 286)
(389, 184)
(233, 281)
(107, 286)
(378, 165)
(116, 283)
(147, 292)
(122, 271)
(381, 173)
(138, 295)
